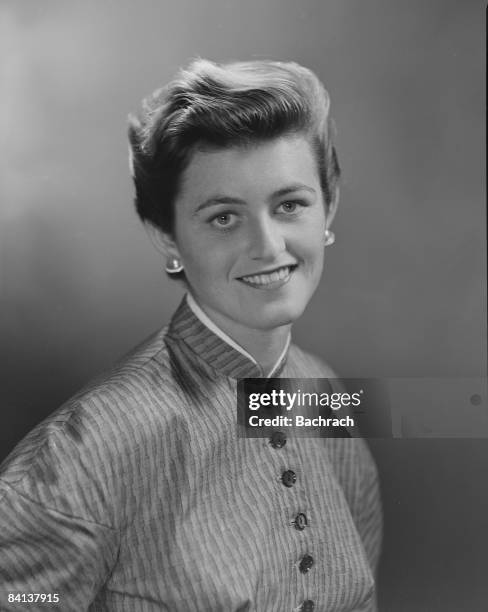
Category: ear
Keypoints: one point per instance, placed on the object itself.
(162, 242)
(331, 212)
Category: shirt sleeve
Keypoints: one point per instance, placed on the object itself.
(57, 535)
(45, 551)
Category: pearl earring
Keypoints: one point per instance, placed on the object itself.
(173, 265)
(329, 238)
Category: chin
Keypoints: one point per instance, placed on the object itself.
(276, 315)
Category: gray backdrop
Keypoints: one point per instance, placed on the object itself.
(404, 288)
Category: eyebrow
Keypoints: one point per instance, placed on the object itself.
(223, 199)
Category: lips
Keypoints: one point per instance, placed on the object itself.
(271, 278)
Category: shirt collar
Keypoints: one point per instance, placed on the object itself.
(204, 337)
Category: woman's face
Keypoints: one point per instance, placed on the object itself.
(249, 229)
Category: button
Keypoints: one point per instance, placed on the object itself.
(305, 564)
(300, 521)
(288, 478)
(307, 606)
(278, 439)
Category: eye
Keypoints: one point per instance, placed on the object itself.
(223, 220)
(290, 206)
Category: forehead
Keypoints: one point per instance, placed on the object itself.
(254, 169)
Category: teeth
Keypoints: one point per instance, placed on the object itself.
(264, 279)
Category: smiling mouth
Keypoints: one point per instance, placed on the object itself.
(277, 277)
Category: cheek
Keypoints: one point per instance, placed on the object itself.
(312, 241)
(206, 260)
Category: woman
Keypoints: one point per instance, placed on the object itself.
(137, 494)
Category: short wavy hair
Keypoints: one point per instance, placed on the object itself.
(224, 105)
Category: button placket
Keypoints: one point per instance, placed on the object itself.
(289, 478)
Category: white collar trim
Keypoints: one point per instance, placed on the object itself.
(198, 312)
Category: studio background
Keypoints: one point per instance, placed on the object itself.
(404, 287)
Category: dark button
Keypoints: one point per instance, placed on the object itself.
(307, 606)
(300, 521)
(288, 478)
(278, 439)
(305, 564)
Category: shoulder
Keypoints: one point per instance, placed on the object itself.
(126, 392)
(72, 461)
(122, 396)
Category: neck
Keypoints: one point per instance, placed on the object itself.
(264, 346)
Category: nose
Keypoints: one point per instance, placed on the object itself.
(266, 240)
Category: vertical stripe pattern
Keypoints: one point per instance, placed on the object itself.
(136, 495)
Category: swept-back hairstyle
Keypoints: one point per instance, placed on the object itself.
(218, 106)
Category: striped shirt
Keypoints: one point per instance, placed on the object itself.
(136, 495)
